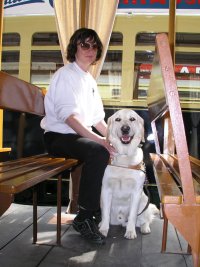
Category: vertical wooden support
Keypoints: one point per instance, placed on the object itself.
(35, 214)
(169, 146)
(59, 204)
(172, 28)
(1, 32)
(74, 189)
(83, 13)
(1, 27)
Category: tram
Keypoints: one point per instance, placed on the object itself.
(31, 52)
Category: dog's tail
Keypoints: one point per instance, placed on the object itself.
(154, 209)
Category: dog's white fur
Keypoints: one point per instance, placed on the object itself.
(122, 196)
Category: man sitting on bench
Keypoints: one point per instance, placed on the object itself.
(73, 105)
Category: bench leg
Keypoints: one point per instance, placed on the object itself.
(59, 200)
(5, 202)
(34, 214)
(164, 235)
(189, 249)
(74, 190)
(186, 219)
(59, 192)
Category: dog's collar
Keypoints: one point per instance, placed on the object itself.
(139, 167)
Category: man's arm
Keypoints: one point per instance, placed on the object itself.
(84, 131)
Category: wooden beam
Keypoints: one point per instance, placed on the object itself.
(83, 13)
(172, 28)
(1, 27)
(169, 145)
(1, 33)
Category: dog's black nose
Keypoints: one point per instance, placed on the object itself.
(125, 129)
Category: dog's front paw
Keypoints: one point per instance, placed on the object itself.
(130, 234)
(145, 228)
(103, 231)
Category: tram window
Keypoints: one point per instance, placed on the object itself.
(187, 58)
(142, 70)
(10, 62)
(144, 56)
(45, 38)
(109, 81)
(115, 92)
(188, 39)
(11, 39)
(187, 72)
(116, 38)
(182, 39)
(43, 66)
(145, 38)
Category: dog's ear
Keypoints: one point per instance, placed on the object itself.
(141, 127)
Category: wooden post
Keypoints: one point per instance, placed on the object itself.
(1, 111)
(83, 13)
(169, 146)
(172, 28)
(1, 26)
(1, 32)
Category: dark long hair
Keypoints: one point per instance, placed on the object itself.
(79, 36)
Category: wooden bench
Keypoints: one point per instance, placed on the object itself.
(21, 174)
(177, 174)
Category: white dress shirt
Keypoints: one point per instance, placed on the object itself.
(71, 91)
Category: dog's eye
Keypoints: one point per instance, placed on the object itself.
(117, 119)
(132, 119)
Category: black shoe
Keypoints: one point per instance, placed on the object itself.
(89, 231)
(97, 217)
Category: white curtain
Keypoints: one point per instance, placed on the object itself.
(67, 14)
(98, 15)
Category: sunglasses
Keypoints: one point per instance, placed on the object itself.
(87, 46)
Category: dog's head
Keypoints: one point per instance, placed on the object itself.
(125, 128)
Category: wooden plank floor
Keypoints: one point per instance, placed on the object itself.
(17, 250)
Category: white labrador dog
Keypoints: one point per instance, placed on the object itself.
(122, 196)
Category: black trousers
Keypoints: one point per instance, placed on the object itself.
(94, 157)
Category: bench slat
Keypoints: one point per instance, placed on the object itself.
(195, 160)
(21, 160)
(24, 181)
(173, 162)
(35, 165)
(195, 165)
(16, 169)
(168, 190)
(195, 171)
(18, 95)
